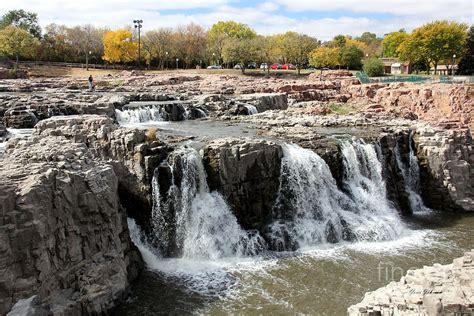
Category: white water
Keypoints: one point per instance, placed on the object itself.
(205, 227)
(312, 213)
(411, 177)
(139, 115)
(251, 109)
(311, 210)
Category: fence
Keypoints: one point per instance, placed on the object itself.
(364, 79)
(72, 65)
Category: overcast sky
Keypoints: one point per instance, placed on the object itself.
(322, 19)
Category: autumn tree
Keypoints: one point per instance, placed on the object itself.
(119, 46)
(55, 44)
(325, 56)
(222, 31)
(86, 41)
(22, 19)
(158, 45)
(270, 49)
(241, 51)
(296, 48)
(16, 42)
(190, 43)
(466, 64)
(372, 43)
(391, 43)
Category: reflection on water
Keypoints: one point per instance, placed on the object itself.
(319, 280)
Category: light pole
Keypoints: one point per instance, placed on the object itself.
(87, 60)
(138, 26)
(166, 60)
(452, 67)
(177, 61)
(214, 58)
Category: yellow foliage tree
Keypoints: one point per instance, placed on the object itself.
(119, 47)
(325, 57)
(16, 42)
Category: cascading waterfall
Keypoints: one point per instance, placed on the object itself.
(204, 226)
(139, 115)
(252, 109)
(310, 209)
(411, 177)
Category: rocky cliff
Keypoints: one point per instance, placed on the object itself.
(64, 233)
(435, 290)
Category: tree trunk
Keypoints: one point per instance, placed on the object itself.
(299, 70)
(87, 61)
(16, 64)
(243, 69)
(436, 68)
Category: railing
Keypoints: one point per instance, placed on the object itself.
(72, 65)
(365, 79)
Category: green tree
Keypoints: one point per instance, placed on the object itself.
(325, 56)
(351, 57)
(435, 42)
(373, 67)
(158, 45)
(242, 51)
(22, 19)
(221, 31)
(466, 65)
(16, 42)
(270, 49)
(338, 41)
(296, 48)
(391, 42)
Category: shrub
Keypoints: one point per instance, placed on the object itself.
(151, 134)
(373, 67)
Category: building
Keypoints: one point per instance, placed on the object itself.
(443, 69)
(395, 67)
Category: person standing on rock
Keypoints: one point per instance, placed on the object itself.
(90, 81)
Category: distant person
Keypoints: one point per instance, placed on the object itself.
(90, 81)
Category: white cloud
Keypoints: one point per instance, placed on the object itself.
(267, 17)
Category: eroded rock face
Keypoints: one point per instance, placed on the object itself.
(19, 117)
(446, 168)
(63, 231)
(247, 173)
(266, 101)
(433, 290)
(133, 156)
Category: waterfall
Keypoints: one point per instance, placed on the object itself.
(311, 209)
(139, 115)
(411, 177)
(202, 223)
(252, 109)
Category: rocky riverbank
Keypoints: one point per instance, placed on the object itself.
(67, 189)
(432, 290)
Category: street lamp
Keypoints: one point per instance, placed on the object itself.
(452, 67)
(138, 26)
(166, 60)
(214, 57)
(87, 60)
(177, 60)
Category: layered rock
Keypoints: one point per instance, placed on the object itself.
(446, 168)
(432, 290)
(64, 234)
(265, 101)
(247, 173)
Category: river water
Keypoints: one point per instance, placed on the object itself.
(220, 270)
(322, 281)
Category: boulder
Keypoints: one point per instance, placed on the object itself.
(19, 117)
(432, 290)
(265, 101)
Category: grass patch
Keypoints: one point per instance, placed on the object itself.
(151, 134)
(341, 108)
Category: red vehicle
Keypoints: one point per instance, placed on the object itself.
(288, 67)
(275, 66)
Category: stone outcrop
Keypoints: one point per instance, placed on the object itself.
(247, 173)
(19, 117)
(63, 231)
(446, 168)
(446, 105)
(265, 101)
(433, 290)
